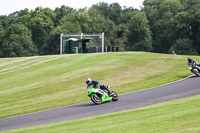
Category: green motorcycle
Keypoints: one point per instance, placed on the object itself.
(99, 96)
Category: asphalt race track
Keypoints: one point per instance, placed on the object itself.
(180, 89)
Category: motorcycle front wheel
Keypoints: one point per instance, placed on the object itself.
(96, 99)
(196, 73)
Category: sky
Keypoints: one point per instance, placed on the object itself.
(10, 6)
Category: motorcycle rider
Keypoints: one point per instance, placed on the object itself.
(96, 84)
(193, 63)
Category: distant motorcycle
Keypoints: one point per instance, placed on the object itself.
(194, 70)
(99, 96)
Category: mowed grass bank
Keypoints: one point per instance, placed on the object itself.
(31, 84)
(178, 116)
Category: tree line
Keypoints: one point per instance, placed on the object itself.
(159, 26)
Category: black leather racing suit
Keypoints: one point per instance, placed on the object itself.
(96, 84)
(194, 64)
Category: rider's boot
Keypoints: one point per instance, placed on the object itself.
(109, 91)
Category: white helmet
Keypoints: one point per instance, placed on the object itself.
(88, 80)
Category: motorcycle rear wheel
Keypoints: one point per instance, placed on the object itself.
(96, 99)
(114, 96)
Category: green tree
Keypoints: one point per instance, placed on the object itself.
(183, 46)
(121, 39)
(41, 25)
(20, 13)
(181, 32)
(70, 23)
(53, 43)
(103, 9)
(25, 20)
(180, 25)
(17, 42)
(6, 21)
(85, 21)
(70, 27)
(61, 12)
(2, 34)
(115, 13)
(97, 22)
(139, 37)
(193, 8)
(106, 18)
(159, 13)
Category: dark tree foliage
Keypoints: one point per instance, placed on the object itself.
(17, 42)
(160, 26)
(183, 46)
(2, 34)
(61, 12)
(41, 25)
(173, 22)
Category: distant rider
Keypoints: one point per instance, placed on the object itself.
(95, 84)
(193, 63)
